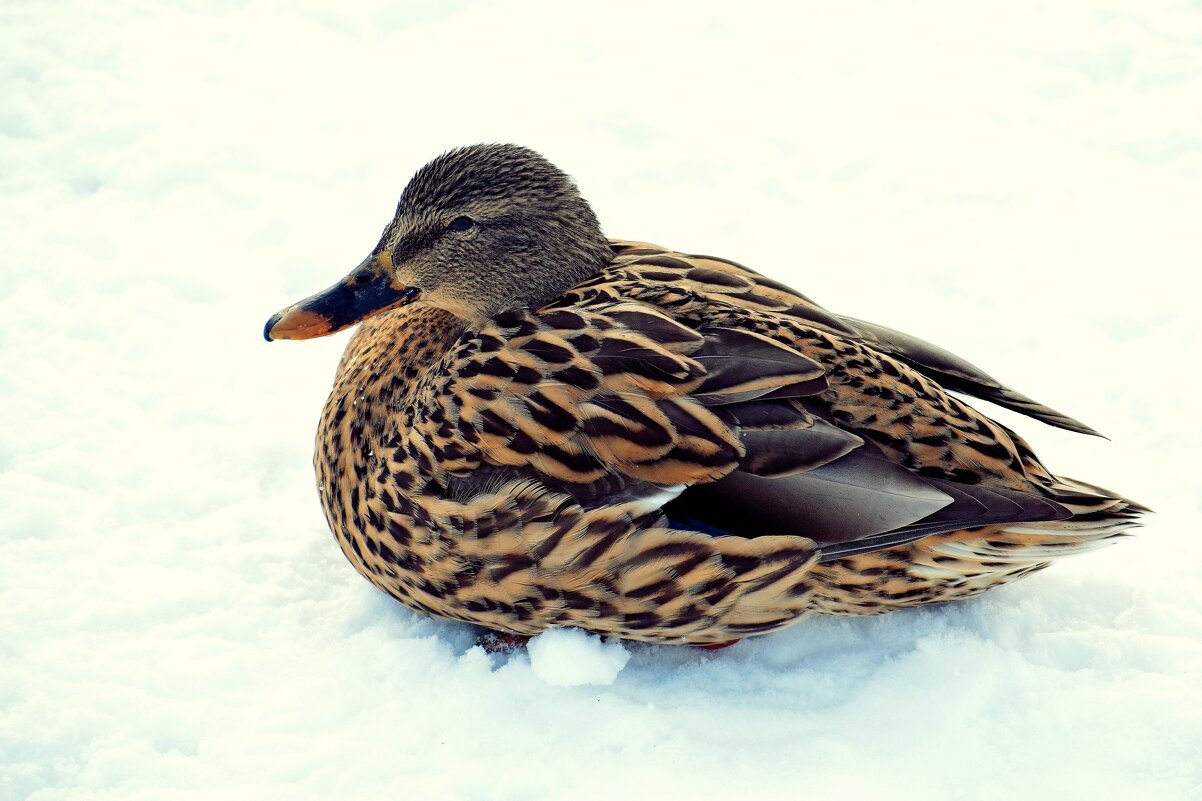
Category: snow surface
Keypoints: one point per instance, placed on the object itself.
(1020, 182)
(571, 657)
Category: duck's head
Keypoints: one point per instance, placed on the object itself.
(478, 230)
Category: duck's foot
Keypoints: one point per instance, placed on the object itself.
(715, 646)
(497, 642)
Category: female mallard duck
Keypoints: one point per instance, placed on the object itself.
(535, 426)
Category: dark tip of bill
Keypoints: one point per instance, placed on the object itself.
(270, 324)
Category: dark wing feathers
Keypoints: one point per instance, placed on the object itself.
(776, 453)
(856, 504)
(741, 365)
(849, 498)
(742, 369)
(971, 506)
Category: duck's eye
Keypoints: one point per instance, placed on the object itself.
(461, 224)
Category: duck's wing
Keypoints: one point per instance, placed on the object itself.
(585, 392)
(637, 387)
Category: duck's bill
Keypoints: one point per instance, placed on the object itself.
(353, 299)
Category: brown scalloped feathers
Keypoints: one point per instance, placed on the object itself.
(681, 450)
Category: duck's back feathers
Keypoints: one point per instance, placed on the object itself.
(958, 375)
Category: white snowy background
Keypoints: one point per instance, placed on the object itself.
(1020, 182)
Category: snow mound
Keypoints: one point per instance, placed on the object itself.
(571, 657)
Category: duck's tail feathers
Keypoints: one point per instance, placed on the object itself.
(1099, 517)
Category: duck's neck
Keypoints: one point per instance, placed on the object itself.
(390, 361)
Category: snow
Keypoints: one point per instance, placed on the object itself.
(570, 657)
(1018, 182)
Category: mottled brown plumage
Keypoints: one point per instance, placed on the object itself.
(529, 431)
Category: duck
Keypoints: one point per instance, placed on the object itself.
(535, 426)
